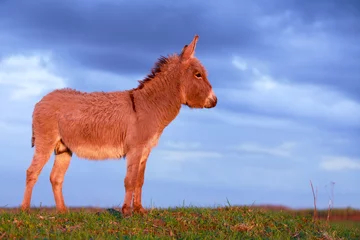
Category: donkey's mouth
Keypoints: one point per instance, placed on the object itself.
(189, 105)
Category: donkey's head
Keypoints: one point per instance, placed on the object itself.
(196, 90)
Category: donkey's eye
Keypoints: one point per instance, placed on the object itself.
(198, 75)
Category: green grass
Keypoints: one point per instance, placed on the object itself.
(346, 224)
(176, 223)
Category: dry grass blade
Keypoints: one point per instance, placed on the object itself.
(2, 235)
(315, 210)
(241, 227)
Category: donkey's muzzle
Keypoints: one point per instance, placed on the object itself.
(211, 101)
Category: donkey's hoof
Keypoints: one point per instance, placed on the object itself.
(140, 210)
(25, 209)
(126, 211)
(62, 210)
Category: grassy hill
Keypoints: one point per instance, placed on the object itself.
(243, 222)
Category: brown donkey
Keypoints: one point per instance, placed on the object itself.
(112, 125)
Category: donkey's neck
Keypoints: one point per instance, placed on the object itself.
(159, 98)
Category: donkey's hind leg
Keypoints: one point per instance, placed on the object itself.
(61, 165)
(41, 157)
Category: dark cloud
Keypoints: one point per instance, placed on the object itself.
(312, 42)
(311, 11)
(127, 37)
(103, 34)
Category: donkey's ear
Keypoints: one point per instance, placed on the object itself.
(188, 51)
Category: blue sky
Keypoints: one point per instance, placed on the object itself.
(286, 74)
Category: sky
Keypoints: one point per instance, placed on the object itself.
(286, 74)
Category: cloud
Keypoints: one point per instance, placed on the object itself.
(173, 165)
(72, 32)
(87, 79)
(311, 43)
(192, 155)
(282, 150)
(239, 63)
(234, 117)
(28, 76)
(274, 33)
(339, 163)
(265, 94)
(182, 145)
(24, 79)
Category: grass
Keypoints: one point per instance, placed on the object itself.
(173, 223)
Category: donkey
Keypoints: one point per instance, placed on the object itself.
(114, 125)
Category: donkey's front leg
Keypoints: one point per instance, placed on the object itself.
(140, 182)
(133, 158)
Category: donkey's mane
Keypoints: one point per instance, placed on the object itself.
(162, 60)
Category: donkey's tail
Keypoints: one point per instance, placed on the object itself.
(32, 136)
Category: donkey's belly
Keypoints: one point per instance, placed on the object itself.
(98, 152)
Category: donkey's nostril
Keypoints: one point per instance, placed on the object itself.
(215, 101)
(211, 102)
